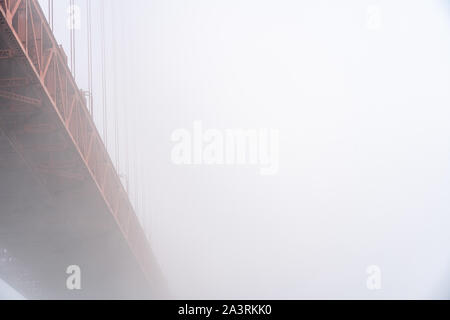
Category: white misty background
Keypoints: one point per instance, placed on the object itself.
(364, 141)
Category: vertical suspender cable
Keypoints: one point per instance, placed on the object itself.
(126, 85)
(135, 158)
(89, 47)
(103, 63)
(50, 13)
(148, 228)
(72, 37)
(144, 200)
(115, 77)
(133, 136)
(135, 162)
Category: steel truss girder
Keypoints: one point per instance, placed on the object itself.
(19, 98)
(6, 54)
(14, 82)
(24, 26)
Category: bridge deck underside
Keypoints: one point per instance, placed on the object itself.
(52, 213)
(42, 232)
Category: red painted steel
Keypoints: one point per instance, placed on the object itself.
(50, 85)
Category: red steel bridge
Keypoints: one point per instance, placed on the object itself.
(62, 202)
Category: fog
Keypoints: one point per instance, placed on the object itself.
(359, 94)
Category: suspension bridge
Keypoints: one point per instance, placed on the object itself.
(62, 200)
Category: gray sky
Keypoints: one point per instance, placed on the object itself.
(364, 141)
